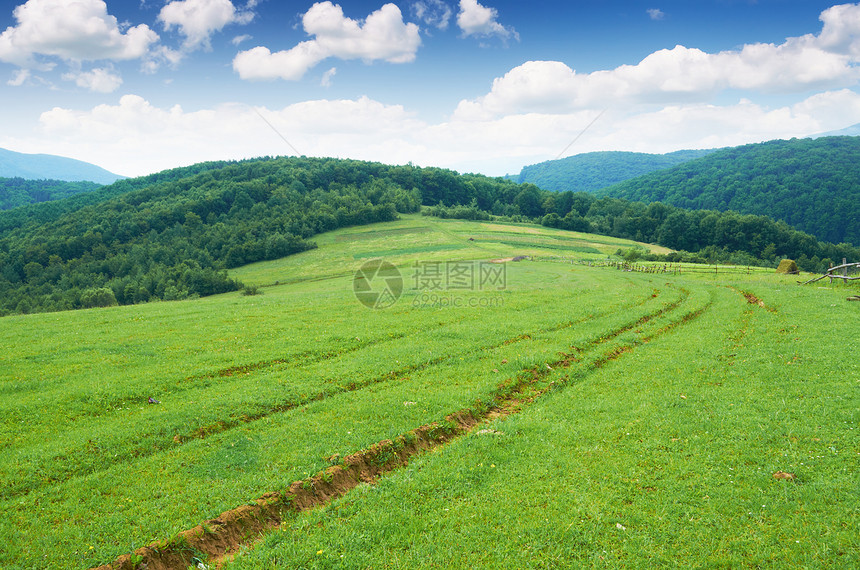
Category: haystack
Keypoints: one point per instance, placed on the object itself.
(788, 266)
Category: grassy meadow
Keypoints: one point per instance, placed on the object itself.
(655, 443)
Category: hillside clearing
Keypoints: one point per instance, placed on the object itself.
(660, 399)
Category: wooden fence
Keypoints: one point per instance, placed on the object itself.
(679, 268)
(847, 272)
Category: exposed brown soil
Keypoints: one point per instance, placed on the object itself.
(217, 538)
(753, 300)
(507, 259)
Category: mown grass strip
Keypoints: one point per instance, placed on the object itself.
(409, 250)
(86, 457)
(216, 537)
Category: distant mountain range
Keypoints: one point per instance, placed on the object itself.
(52, 167)
(852, 131)
(592, 171)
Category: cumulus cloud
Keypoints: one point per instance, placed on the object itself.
(136, 137)
(477, 20)
(382, 36)
(518, 139)
(435, 13)
(665, 102)
(841, 30)
(713, 126)
(71, 31)
(655, 13)
(197, 20)
(101, 80)
(682, 75)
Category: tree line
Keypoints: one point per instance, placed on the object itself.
(698, 235)
(811, 184)
(174, 234)
(16, 192)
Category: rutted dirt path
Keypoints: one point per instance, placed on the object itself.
(220, 536)
(24, 487)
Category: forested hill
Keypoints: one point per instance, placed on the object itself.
(16, 192)
(51, 167)
(812, 184)
(595, 170)
(173, 234)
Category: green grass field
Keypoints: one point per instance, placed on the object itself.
(668, 404)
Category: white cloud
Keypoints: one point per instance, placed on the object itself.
(72, 31)
(655, 13)
(327, 77)
(382, 36)
(197, 20)
(160, 55)
(19, 77)
(713, 126)
(477, 20)
(260, 63)
(435, 13)
(682, 75)
(239, 39)
(841, 30)
(101, 80)
(135, 137)
(504, 144)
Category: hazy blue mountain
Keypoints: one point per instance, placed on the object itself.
(592, 171)
(852, 131)
(51, 167)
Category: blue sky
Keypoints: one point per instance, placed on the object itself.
(488, 86)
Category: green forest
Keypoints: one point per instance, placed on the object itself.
(173, 235)
(592, 171)
(700, 236)
(16, 192)
(811, 184)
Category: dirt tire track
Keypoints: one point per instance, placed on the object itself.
(233, 422)
(753, 300)
(219, 537)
